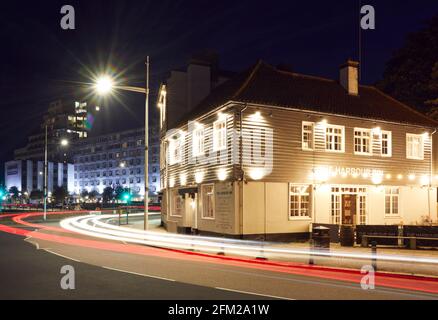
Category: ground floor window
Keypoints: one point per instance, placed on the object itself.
(299, 201)
(348, 205)
(391, 201)
(207, 201)
(177, 204)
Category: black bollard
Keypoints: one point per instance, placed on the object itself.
(374, 254)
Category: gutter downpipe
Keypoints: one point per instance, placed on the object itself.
(431, 172)
(242, 172)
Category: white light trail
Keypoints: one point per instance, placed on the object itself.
(94, 226)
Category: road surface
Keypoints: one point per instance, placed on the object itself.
(30, 269)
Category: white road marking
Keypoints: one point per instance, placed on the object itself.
(60, 255)
(138, 274)
(255, 294)
(36, 244)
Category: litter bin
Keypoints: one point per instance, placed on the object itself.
(347, 236)
(321, 237)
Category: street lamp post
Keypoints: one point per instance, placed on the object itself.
(146, 150)
(103, 86)
(45, 174)
(64, 143)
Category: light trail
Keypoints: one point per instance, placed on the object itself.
(399, 281)
(93, 226)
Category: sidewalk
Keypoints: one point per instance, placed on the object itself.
(356, 262)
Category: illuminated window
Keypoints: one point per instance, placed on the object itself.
(391, 201)
(334, 138)
(414, 146)
(207, 201)
(362, 141)
(386, 150)
(220, 135)
(198, 142)
(307, 137)
(299, 201)
(175, 151)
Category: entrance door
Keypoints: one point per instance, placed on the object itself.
(349, 209)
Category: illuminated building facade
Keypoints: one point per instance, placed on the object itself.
(271, 152)
(65, 119)
(28, 175)
(117, 159)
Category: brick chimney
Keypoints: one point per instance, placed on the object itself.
(349, 77)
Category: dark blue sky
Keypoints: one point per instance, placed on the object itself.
(38, 58)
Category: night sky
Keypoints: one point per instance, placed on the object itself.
(40, 62)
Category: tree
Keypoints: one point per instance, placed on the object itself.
(14, 192)
(93, 194)
(60, 194)
(84, 194)
(411, 74)
(108, 194)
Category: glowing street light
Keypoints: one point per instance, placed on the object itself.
(64, 142)
(104, 85)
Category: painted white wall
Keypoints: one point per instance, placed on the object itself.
(277, 211)
(265, 207)
(321, 205)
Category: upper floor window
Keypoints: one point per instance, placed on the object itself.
(334, 138)
(175, 151)
(362, 141)
(386, 146)
(220, 135)
(307, 136)
(414, 146)
(299, 201)
(198, 142)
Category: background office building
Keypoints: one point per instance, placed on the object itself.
(65, 119)
(117, 159)
(28, 175)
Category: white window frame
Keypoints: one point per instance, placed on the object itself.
(310, 132)
(389, 141)
(300, 195)
(363, 138)
(421, 146)
(176, 197)
(198, 137)
(332, 126)
(392, 195)
(203, 187)
(220, 135)
(175, 150)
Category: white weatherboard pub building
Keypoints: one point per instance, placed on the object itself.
(269, 152)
